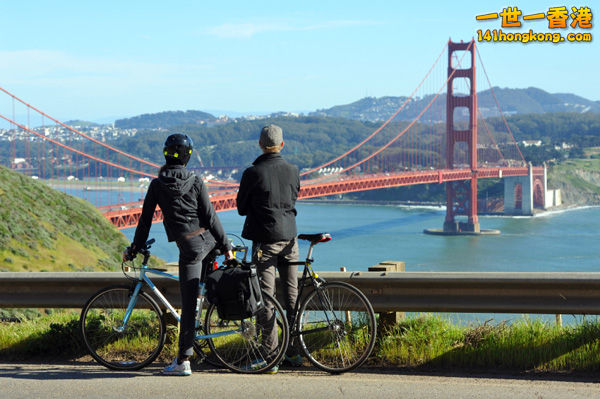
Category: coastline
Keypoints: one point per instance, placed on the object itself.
(563, 209)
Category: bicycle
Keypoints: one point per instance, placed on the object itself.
(124, 328)
(334, 323)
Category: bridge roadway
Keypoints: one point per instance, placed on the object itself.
(224, 200)
(82, 379)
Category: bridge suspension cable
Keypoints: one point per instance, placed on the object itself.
(400, 134)
(383, 125)
(406, 128)
(29, 106)
(64, 146)
(487, 129)
(109, 147)
(498, 104)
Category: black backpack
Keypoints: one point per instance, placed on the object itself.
(235, 290)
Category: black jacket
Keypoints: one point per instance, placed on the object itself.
(185, 204)
(267, 197)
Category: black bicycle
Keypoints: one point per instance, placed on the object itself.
(334, 322)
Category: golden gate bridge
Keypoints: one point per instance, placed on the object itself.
(437, 135)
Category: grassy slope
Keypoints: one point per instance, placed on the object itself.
(578, 179)
(422, 342)
(42, 229)
(523, 345)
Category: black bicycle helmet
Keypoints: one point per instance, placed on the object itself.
(178, 149)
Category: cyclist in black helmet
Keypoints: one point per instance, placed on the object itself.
(190, 220)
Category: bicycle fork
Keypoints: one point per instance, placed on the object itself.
(134, 296)
(130, 305)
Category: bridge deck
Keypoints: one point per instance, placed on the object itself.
(224, 200)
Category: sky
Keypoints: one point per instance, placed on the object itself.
(105, 60)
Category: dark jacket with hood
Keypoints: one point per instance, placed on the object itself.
(186, 207)
(267, 197)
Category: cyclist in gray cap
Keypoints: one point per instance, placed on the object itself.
(267, 197)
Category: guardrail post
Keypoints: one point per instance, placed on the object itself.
(558, 320)
(388, 320)
(348, 315)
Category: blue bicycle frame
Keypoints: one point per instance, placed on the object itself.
(143, 278)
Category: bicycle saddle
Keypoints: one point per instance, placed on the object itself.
(315, 238)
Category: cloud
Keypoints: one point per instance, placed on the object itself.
(247, 30)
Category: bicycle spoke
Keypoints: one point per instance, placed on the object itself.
(336, 327)
(139, 342)
(245, 349)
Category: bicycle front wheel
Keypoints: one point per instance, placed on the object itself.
(337, 327)
(114, 344)
(245, 346)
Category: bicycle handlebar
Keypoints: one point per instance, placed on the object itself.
(145, 251)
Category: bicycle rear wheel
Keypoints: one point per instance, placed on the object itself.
(240, 344)
(119, 347)
(337, 327)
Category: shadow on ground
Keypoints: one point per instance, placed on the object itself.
(78, 370)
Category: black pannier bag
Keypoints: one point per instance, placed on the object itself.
(235, 291)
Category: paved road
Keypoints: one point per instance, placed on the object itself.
(88, 380)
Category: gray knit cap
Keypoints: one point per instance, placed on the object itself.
(271, 136)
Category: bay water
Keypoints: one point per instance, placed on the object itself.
(364, 235)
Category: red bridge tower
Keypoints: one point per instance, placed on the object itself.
(461, 196)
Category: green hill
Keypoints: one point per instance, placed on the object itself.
(512, 101)
(165, 120)
(312, 140)
(42, 229)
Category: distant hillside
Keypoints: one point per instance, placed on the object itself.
(578, 180)
(80, 123)
(311, 140)
(42, 229)
(372, 109)
(165, 120)
(512, 101)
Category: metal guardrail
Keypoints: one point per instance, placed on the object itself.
(551, 293)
